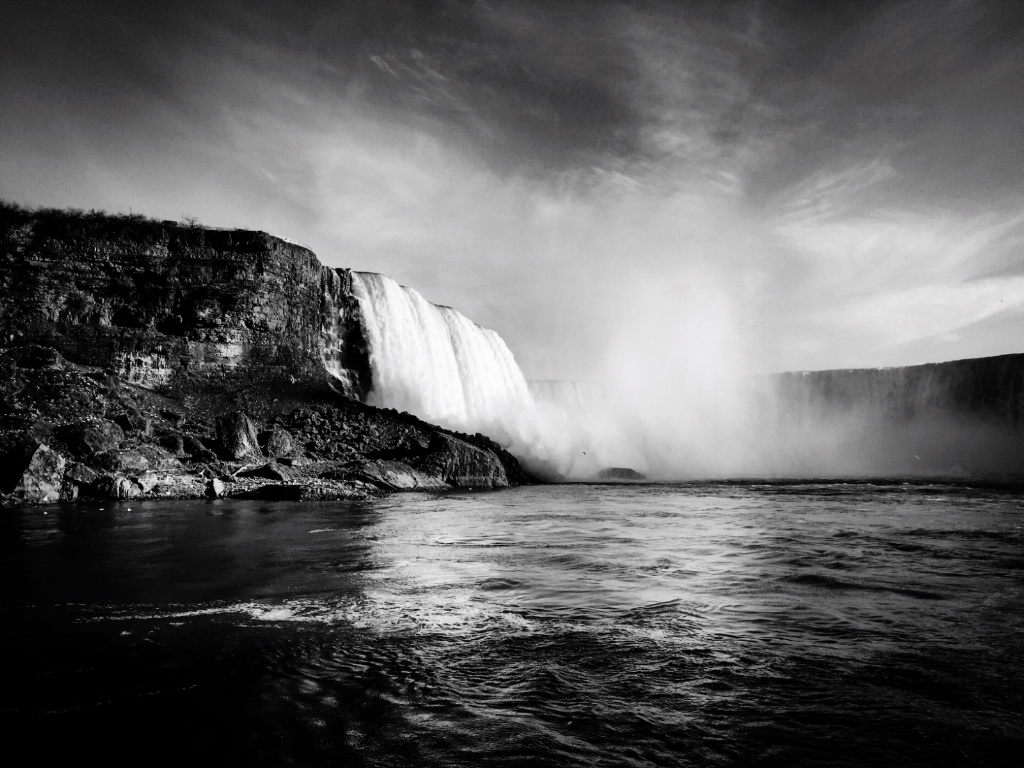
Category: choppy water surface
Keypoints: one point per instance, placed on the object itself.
(705, 624)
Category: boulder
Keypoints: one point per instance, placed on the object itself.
(461, 464)
(42, 479)
(147, 481)
(236, 437)
(90, 436)
(195, 448)
(397, 476)
(214, 488)
(276, 442)
(159, 458)
(81, 474)
(115, 486)
(76, 477)
(129, 460)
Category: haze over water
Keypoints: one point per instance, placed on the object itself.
(701, 624)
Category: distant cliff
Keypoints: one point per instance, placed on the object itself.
(166, 303)
(989, 389)
(964, 416)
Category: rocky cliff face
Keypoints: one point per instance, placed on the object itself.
(167, 304)
(151, 359)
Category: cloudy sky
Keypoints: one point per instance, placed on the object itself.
(809, 184)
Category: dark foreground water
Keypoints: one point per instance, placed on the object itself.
(705, 624)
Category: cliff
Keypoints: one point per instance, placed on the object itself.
(166, 304)
(141, 358)
(987, 389)
(959, 417)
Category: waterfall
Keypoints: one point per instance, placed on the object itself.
(434, 362)
(949, 418)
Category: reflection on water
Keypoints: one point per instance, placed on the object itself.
(698, 624)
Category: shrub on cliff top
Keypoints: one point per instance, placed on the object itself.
(71, 223)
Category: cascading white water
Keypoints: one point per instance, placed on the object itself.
(436, 363)
(676, 405)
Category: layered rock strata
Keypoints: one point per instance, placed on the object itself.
(165, 304)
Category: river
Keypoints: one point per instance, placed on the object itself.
(704, 624)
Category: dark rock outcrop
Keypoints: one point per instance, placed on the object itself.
(620, 473)
(88, 437)
(116, 486)
(236, 437)
(461, 464)
(398, 476)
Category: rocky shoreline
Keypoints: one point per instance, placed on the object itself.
(76, 433)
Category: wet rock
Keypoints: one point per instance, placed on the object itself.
(620, 473)
(87, 437)
(236, 437)
(214, 488)
(68, 490)
(42, 479)
(397, 476)
(461, 464)
(115, 486)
